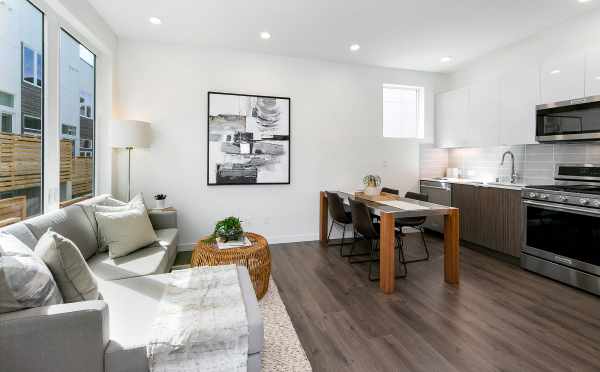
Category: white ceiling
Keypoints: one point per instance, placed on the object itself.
(412, 34)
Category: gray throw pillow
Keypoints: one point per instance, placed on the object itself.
(72, 274)
(25, 281)
(126, 231)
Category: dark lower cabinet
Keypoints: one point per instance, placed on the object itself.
(490, 217)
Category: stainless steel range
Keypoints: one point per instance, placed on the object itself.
(561, 234)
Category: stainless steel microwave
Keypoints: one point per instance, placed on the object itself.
(573, 120)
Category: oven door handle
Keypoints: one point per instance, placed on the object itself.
(565, 208)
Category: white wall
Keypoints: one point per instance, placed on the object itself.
(336, 133)
(575, 35)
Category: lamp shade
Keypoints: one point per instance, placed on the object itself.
(130, 133)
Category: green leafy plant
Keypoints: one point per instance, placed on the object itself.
(160, 196)
(371, 180)
(227, 229)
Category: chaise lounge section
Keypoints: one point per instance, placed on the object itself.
(107, 335)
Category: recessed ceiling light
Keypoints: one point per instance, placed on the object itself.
(265, 35)
(155, 21)
(597, 77)
(584, 1)
(354, 47)
(446, 59)
(554, 72)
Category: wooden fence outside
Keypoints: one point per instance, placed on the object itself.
(20, 167)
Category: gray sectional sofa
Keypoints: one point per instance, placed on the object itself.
(107, 335)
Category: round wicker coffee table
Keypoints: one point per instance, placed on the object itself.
(257, 258)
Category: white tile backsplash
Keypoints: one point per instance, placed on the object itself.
(534, 163)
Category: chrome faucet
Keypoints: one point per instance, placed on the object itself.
(513, 173)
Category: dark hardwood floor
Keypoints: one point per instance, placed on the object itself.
(500, 318)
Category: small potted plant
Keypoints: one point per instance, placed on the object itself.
(161, 201)
(228, 229)
(372, 184)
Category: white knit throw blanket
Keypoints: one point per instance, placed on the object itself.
(201, 323)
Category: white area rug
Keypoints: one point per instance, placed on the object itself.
(282, 350)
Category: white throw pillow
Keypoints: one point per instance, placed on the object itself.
(71, 272)
(125, 231)
(111, 205)
(25, 281)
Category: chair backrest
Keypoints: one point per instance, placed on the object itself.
(417, 196)
(336, 208)
(362, 220)
(390, 191)
(420, 197)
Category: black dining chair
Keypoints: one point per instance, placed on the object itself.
(368, 230)
(390, 191)
(339, 217)
(415, 223)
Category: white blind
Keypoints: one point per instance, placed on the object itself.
(403, 111)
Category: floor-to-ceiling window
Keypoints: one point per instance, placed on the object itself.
(21, 110)
(77, 119)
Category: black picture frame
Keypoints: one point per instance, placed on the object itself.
(208, 160)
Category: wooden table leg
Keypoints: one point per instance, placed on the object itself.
(452, 246)
(387, 269)
(323, 217)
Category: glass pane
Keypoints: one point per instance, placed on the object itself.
(39, 69)
(21, 103)
(7, 100)
(7, 123)
(400, 112)
(28, 65)
(546, 231)
(77, 90)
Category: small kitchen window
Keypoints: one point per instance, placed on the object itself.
(403, 111)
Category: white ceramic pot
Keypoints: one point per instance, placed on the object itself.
(372, 191)
(161, 204)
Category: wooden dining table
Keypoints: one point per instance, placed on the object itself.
(390, 207)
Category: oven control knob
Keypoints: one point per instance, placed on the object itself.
(583, 201)
(563, 198)
(532, 195)
(596, 203)
(543, 196)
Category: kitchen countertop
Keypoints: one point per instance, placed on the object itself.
(463, 181)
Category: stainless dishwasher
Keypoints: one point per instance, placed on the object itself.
(439, 192)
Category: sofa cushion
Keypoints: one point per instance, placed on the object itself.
(72, 274)
(131, 320)
(155, 259)
(21, 232)
(126, 231)
(105, 203)
(25, 281)
(70, 222)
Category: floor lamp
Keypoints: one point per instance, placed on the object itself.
(130, 134)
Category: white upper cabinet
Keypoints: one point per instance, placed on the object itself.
(519, 94)
(484, 114)
(452, 118)
(592, 73)
(563, 78)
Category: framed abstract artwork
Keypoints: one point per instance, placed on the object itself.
(248, 139)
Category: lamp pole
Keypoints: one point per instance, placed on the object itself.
(129, 177)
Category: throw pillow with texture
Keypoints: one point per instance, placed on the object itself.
(25, 281)
(109, 205)
(72, 274)
(126, 231)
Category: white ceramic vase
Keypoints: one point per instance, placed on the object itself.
(372, 191)
(161, 204)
